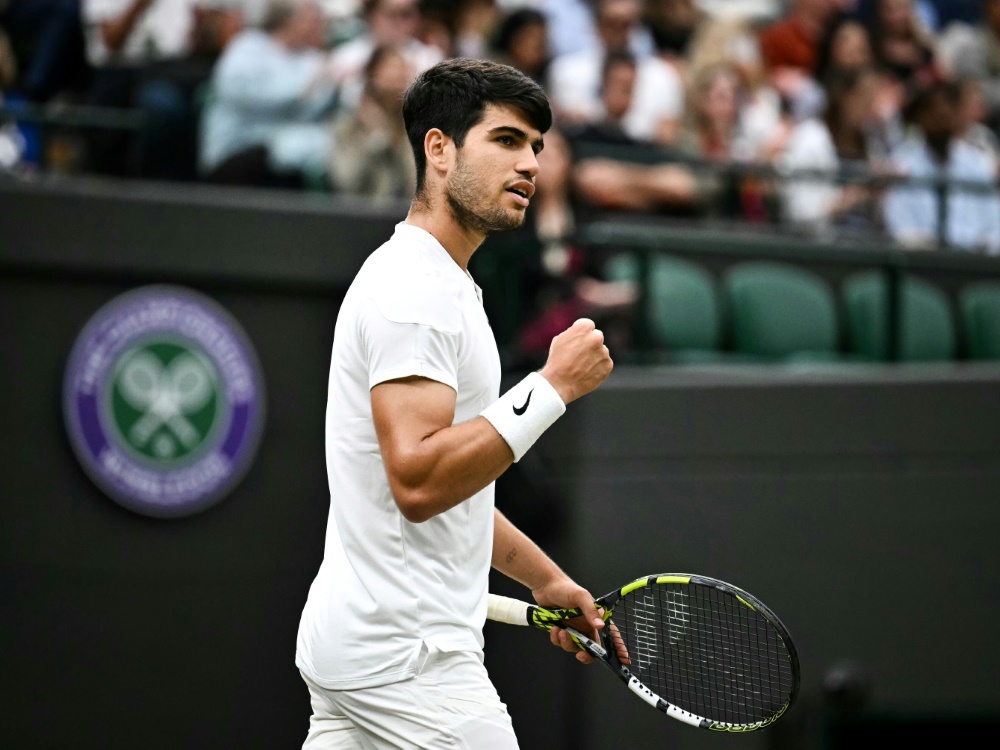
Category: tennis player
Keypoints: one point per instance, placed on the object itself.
(390, 642)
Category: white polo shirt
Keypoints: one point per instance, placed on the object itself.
(386, 584)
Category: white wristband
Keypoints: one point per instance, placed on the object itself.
(524, 412)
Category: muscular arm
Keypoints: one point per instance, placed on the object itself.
(433, 465)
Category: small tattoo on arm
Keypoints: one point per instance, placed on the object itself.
(512, 554)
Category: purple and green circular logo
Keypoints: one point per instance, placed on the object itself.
(164, 401)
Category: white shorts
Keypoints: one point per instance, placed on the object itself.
(451, 704)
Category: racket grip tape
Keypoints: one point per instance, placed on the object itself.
(509, 611)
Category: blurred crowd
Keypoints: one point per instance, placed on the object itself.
(804, 113)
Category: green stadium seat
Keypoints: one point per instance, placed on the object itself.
(980, 314)
(926, 326)
(685, 319)
(781, 311)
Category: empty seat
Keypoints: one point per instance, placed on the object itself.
(683, 310)
(926, 329)
(980, 310)
(779, 310)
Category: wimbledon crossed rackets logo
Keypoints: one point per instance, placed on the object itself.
(163, 401)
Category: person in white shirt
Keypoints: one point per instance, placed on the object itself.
(390, 641)
(272, 92)
(388, 23)
(574, 79)
(957, 215)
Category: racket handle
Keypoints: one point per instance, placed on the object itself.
(506, 610)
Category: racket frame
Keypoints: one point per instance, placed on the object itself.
(512, 611)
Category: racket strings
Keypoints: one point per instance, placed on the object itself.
(706, 652)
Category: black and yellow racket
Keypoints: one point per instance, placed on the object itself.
(701, 650)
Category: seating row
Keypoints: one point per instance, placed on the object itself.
(764, 310)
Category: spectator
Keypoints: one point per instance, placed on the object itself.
(618, 78)
(45, 55)
(572, 29)
(271, 94)
(574, 80)
(974, 52)
(608, 182)
(844, 47)
(732, 43)
(673, 25)
(371, 154)
(839, 142)
(474, 24)
(387, 22)
(144, 56)
(521, 40)
(567, 281)
(902, 43)
(934, 15)
(714, 136)
(921, 216)
(972, 115)
(790, 48)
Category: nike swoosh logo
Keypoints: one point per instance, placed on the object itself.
(524, 408)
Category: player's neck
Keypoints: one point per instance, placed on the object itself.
(460, 241)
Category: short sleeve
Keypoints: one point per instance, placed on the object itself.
(401, 349)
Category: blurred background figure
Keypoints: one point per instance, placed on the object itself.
(972, 51)
(566, 280)
(572, 28)
(973, 115)
(732, 42)
(44, 51)
(574, 79)
(844, 140)
(609, 180)
(474, 24)
(371, 156)
(271, 94)
(673, 25)
(902, 43)
(844, 46)
(922, 216)
(386, 22)
(715, 136)
(619, 73)
(790, 49)
(521, 40)
(154, 55)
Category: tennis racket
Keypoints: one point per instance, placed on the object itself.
(701, 650)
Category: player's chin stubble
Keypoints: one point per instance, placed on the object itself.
(463, 193)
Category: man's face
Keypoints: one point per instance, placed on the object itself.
(493, 177)
(615, 21)
(305, 28)
(619, 83)
(394, 21)
(938, 120)
(389, 81)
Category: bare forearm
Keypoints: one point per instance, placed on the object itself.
(517, 557)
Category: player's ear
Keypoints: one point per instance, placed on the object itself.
(439, 150)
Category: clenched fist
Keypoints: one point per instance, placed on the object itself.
(578, 361)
